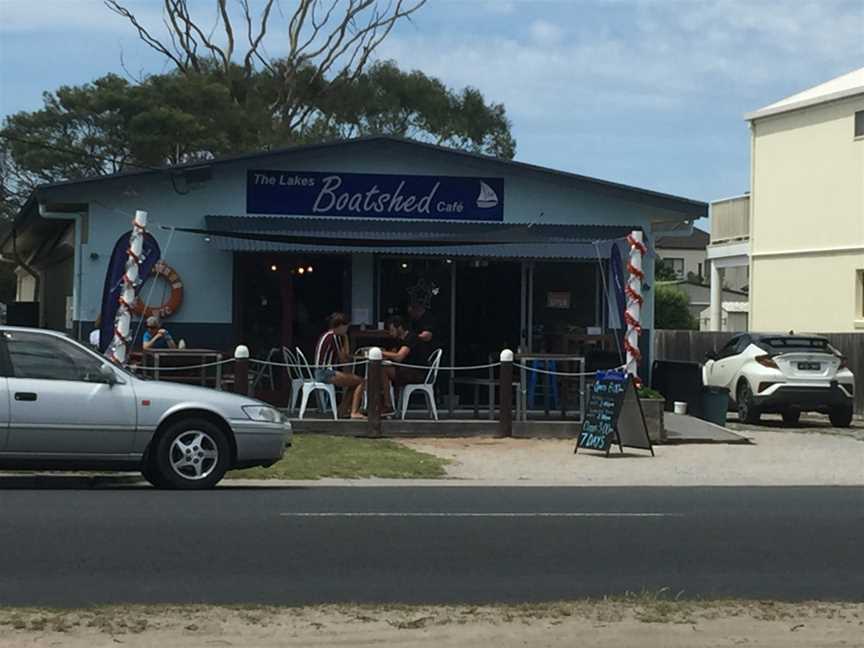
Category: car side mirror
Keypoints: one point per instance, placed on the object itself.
(711, 355)
(107, 374)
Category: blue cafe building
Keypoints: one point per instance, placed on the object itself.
(265, 245)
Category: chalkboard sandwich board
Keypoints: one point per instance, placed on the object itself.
(613, 415)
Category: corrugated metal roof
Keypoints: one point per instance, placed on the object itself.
(686, 206)
(845, 85)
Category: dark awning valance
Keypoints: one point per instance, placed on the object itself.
(344, 235)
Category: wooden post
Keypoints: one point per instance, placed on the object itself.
(374, 386)
(241, 370)
(505, 417)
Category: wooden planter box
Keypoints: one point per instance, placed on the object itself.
(653, 410)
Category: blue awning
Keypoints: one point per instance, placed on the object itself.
(446, 239)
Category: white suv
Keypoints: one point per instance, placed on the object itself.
(783, 374)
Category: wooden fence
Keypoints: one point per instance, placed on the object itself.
(693, 345)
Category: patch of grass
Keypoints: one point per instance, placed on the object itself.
(315, 456)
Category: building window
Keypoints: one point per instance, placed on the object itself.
(676, 266)
(859, 294)
(859, 123)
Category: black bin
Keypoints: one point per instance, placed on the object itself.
(715, 404)
(679, 381)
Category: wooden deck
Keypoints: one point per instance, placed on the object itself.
(445, 428)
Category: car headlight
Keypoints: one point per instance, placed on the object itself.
(262, 413)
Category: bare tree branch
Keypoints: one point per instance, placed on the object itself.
(329, 41)
(143, 34)
(255, 42)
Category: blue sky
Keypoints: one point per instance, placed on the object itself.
(649, 93)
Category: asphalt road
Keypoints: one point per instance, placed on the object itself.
(68, 546)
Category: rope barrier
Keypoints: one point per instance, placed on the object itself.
(392, 363)
(561, 373)
(303, 366)
(186, 368)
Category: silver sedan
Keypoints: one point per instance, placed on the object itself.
(64, 407)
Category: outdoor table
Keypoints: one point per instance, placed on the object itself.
(167, 358)
(371, 337)
(492, 383)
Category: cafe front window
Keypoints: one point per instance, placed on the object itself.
(565, 305)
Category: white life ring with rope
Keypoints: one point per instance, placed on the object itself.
(175, 299)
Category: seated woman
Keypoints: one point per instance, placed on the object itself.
(330, 350)
(156, 337)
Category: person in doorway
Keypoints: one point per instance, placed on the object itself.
(95, 336)
(409, 351)
(332, 348)
(156, 337)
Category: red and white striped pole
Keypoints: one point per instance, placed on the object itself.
(633, 314)
(119, 349)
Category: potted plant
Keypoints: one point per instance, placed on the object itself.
(652, 403)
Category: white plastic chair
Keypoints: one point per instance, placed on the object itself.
(295, 374)
(427, 387)
(311, 385)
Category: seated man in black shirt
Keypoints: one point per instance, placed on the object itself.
(410, 352)
(422, 322)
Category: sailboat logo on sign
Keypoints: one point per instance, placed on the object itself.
(487, 197)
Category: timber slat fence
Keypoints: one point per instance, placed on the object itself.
(693, 345)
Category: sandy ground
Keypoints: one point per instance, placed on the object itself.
(604, 624)
(774, 458)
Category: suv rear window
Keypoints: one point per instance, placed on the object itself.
(796, 344)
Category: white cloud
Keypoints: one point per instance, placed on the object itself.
(545, 34)
(590, 58)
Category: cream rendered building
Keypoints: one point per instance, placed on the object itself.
(807, 210)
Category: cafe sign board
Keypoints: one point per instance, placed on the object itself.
(613, 415)
(367, 195)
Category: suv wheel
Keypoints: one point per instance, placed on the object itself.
(747, 410)
(791, 415)
(840, 416)
(192, 454)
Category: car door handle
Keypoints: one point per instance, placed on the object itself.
(25, 396)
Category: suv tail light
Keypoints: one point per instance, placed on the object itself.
(766, 361)
(844, 362)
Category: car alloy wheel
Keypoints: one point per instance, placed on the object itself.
(194, 455)
(747, 412)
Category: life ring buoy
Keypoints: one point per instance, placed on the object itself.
(175, 299)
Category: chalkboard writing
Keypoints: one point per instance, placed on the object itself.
(599, 428)
(613, 415)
